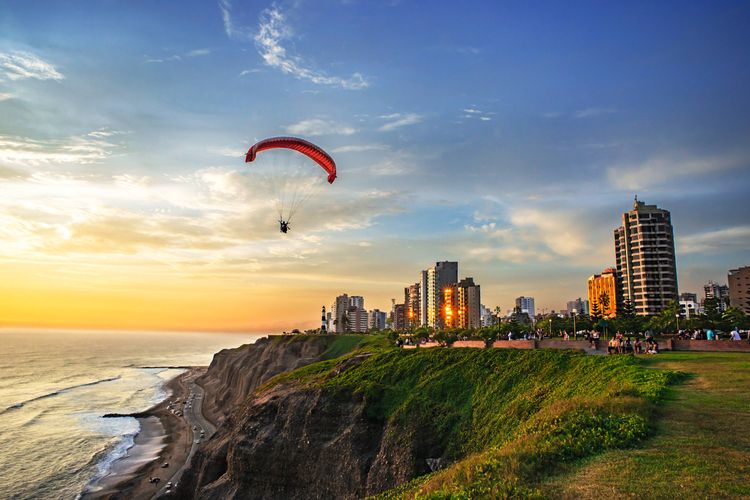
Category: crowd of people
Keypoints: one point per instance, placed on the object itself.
(619, 344)
(710, 334)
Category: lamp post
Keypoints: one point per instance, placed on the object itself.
(575, 332)
(677, 319)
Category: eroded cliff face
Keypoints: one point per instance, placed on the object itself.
(293, 442)
(235, 373)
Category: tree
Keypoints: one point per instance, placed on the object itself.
(627, 320)
(711, 312)
(604, 301)
(498, 312)
(596, 314)
(734, 317)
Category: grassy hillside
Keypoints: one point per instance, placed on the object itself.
(502, 420)
(701, 448)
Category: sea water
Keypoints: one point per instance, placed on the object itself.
(56, 385)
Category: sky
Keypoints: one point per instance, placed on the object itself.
(509, 136)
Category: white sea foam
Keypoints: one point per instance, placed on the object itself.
(61, 383)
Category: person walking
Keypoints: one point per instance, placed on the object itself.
(736, 334)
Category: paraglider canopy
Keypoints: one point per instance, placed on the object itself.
(306, 148)
(295, 184)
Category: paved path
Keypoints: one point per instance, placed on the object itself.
(193, 414)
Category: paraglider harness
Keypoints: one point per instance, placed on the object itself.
(283, 226)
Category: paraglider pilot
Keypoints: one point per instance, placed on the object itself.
(283, 226)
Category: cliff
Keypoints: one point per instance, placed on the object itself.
(235, 373)
(382, 418)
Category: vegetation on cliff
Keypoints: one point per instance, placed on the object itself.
(495, 421)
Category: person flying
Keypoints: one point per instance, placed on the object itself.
(283, 226)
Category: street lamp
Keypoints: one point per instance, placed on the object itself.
(677, 319)
(575, 332)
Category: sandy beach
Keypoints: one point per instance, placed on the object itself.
(164, 438)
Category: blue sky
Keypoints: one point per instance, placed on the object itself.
(507, 135)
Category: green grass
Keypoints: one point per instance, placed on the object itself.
(504, 419)
(701, 448)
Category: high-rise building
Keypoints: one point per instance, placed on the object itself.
(376, 320)
(357, 315)
(603, 292)
(646, 265)
(357, 301)
(739, 288)
(339, 314)
(578, 305)
(413, 302)
(712, 290)
(423, 298)
(526, 305)
(468, 307)
(398, 317)
(434, 281)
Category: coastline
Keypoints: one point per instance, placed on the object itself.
(163, 438)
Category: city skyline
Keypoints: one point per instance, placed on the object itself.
(510, 142)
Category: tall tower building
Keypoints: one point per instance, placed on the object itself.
(339, 314)
(719, 292)
(526, 305)
(468, 304)
(413, 302)
(644, 250)
(739, 288)
(434, 282)
(603, 291)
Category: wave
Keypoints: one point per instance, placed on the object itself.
(105, 459)
(58, 392)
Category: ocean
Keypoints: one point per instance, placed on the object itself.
(56, 385)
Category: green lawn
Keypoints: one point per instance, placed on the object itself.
(701, 445)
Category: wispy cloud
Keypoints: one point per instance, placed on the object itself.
(398, 120)
(272, 32)
(251, 71)
(318, 126)
(179, 57)
(657, 170)
(4, 96)
(88, 148)
(712, 242)
(359, 148)
(21, 65)
(230, 27)
(473, 112)
(592, 112)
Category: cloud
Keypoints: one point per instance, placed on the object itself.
(88, 148)
(359, 148)
(317, 126)
(230, 27)
(4, 96)
(473, 112)
(272, 31)
(179, 57)
(592, 112)
(531, 234)
(22, 65)
(392, 167)
(251, 71)
(655, 171)
(712, 242)
(398, 120)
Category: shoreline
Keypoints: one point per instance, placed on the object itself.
(163, 438)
